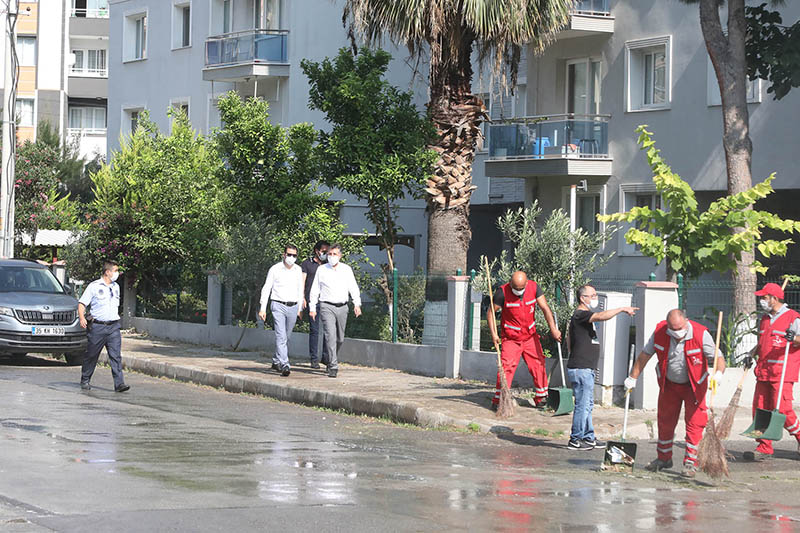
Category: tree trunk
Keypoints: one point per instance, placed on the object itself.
(449, 236)
(728, 57)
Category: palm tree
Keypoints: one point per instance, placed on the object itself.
(448, 32)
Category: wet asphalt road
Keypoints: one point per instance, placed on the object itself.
(168, 456)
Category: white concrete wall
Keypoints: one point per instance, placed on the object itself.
(50, 43)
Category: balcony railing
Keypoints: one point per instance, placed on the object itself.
(592, 7)
(86, 132)
(550, 137)
(250, 46)
(90, 13)
(89, 72)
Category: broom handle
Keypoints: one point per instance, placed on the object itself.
(716, 342)
(560, 358)
(627, 395)
(491, 308)
(783, 375)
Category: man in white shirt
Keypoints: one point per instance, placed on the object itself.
(333, 286)
(284, 287)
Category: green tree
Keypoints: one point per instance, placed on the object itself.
(773, 50)
(695, 242)
(448, 33)
(158, 204)
(377, 147)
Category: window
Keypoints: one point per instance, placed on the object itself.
(715, 99)
(181, 104)
(503, 106)
(266, 14)
(214, 120)
(90, 8)
(181, 25)
(90, 63)
(25, 112)
(226, 16)
(635, 195)
(130, 119)
(135, 37)
(87, 118)
(587, 208)
(583, 87)
(26, 51)
(648, 74)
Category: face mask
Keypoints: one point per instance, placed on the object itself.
(764, 305)
(323, 256)
(594, 303)
(518, 292)
(114, 276)
(289, 260)
(677, 334)
(333, 260)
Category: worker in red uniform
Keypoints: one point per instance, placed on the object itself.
(685, 352)
(778, 325)
(517, 300)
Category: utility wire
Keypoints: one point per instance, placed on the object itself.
(11, 142)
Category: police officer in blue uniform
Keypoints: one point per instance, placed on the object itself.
(102, 298)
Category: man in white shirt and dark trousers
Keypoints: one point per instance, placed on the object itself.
(333, 286)
(284, 287)
(102, 299)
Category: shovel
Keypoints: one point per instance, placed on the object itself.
(560, 399)
(768, 425)
(620, 455)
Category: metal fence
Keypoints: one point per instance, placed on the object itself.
(175, 292)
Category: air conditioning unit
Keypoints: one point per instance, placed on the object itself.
(614, 338)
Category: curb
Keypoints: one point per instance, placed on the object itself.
(403, 412)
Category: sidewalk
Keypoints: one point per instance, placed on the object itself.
(423, 401)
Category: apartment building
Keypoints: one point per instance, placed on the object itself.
(619, 64)
(63, 78)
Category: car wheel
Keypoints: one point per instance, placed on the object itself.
(74, 358)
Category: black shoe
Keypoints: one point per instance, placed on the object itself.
(594, 443)
(315, 366)
(285, 371)
(333, 373)
(756, 456)
(122, 388)
(86, 386)
(275, 367)
(657, 464)
(575, 444)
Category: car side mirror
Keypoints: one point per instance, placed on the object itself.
(69, 289)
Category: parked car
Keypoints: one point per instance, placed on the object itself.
(37, 314)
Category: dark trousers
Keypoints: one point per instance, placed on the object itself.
(98, 336)
(316, 339)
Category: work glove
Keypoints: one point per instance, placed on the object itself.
(714, 381)
(748, 362)
(630, 383)
(789, 335)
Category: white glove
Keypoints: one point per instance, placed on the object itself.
(718, 377)
(630, 383)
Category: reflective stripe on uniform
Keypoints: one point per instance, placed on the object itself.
(512, 327)
(702, 378)
(658, 346)
(529, 303)
(692, 352)
(512, 305)
(693, 447)
(775, 361)
(794, 428)
(665, 441)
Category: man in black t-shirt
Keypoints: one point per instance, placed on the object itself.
(582, 364)
(316, 338)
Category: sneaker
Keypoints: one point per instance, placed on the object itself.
(658, 464)
(86, 386)
(594, 443)
(689, 470)
(575, 444)
(285, 371)
(275, 367)
(315, 366)
(333, 373)
(122, 388)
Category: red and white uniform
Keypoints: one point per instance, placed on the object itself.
(518, 330)
(691, 395)
(771, 347)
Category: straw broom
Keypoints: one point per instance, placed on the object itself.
(711, 454)
(506, 405)
(726, 421)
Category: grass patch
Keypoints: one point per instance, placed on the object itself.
(472, 426)
(541, 432)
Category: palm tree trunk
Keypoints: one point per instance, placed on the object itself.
(728, 57)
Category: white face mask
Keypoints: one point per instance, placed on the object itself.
(594, 303)
(323, 256)
(289, 260)
(114, 276)
(764, 305)
(677, 334)
(518, 292)
(333, 260)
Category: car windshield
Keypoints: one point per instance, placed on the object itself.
(28, 279)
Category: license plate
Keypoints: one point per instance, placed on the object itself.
(47, 330)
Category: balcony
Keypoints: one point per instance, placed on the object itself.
(247, 54)
(589, 17)
(90, 13)
(552, 145)
(88, 72)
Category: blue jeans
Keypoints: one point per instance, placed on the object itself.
(583, 389)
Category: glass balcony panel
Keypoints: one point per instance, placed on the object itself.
(591, 7)
(263, 46)
(550, 137)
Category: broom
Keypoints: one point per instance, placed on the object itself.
(711, 453)
(505, 406)
(726, 421)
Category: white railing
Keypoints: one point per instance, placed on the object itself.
(89, 72)
(90, 13)
(86, 132)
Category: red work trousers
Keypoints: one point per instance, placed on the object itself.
(531, 350)
(670, 399)
(766, 397)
